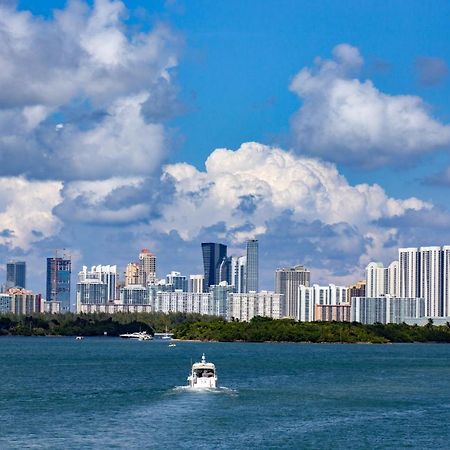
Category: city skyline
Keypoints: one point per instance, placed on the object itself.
(175, 146)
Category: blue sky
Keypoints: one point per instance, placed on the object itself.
(221, 77)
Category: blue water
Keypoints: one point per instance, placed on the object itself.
(108, 393)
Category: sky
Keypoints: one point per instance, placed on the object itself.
(320, 128)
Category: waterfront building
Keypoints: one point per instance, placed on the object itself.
(20, 301)
(112, 308)
(91, 291)
(245, 306)
(147, 267)
(213, 256)
(196, 283)
(386, 309)
(376, 279)
(59, 270)
(239, 273)
(132, 274)
(330, 313)
(252, 272)
(51, 307)
(177, 281)
(310, 296)
(16, 274)
(134, 295)
(183, 302)
(287, 282)
(105, 274)
(425, 272)
(356, 290)
(393, 280)
(220, 298)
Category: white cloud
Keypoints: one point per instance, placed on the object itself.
(83, 95)
(26, 211)
(350, 121)
(249, 191)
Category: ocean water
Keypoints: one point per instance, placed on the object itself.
(58, 393)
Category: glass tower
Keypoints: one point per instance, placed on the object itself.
(213, 256)
(58, 281)
(252, 282)
(15, 274)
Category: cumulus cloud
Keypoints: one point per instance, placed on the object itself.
(84, 62)
(346, 120)
(26, 211)
(301, 206)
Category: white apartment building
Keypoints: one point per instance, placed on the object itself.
(196, 284)
(310, 296)
(184, 302)
(386, 309)
(245, 306)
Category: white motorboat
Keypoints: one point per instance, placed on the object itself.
(137, 335)
(203, 375)
(79, 338)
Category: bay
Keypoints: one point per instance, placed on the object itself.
(109, 393)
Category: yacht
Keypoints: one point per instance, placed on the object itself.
(137, 335)
(203, 375)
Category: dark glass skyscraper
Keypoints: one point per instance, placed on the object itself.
(15, 274)
(252, 282)
(213, 255)
(58, 281)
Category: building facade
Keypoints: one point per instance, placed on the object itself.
(20, 301)
(287, 282)
(333, 313)
(59, 270)
(213, 257)
(178, 281)
(147, 267)
(244, 306)
(197, 284)
(132, 274)
(252, 270)
(386, 309)
(16, 274)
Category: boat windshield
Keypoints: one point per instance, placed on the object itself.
(203, 373)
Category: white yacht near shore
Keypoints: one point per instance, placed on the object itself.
(203, 375)
(137, 335)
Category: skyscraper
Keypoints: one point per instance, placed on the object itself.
(239, 273)
(105, 274)
(147, 267)
(132, 274)
(58, 281)
(213, 255)
(252, 276)
(376, 280)
(15, 274)
(196, 284)
(287, 282)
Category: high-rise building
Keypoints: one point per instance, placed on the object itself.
(147, 267)
(213, 256)
(376, 279)
(134, 295)
(356, 290)
(310, 296)
(91, 291)
(106, 274)
(196, 284)
(59, 270)
(15, 274)
(287, 281)
(225, 273)
(177, 281)
(393, 280)
(252, 273)
(239, 273)
(132, 274)
(424, 272)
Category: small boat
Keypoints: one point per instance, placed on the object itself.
(137, 335)
(172, 345)
(79, 338)
(203, 375)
